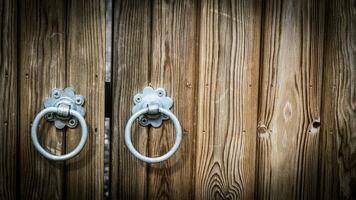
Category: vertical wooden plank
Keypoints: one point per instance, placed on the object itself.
(42, 67)
(290, 93)
(227, 101)
(8, 100)
(131, 50)
(86, 73)
(174, 66)
(338, 139)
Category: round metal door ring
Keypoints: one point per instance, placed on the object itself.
(74, 152)
(65, 109)
(148, 110)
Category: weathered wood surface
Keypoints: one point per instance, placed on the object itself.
(289, 100)
(154, 47)
(85, 60)
(130, 74)
(338, 126)
(174, 67)
(8, 100)
(62, 44)
(227, 99)
(264, 90)
(42, 67)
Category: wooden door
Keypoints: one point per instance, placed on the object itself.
(264, 91)
(46, 45)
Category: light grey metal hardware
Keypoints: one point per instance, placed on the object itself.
(60, 98)
(64, 108)
(151, 108)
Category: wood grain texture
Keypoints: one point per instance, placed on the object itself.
(86, 73)
(8, 100)
(131, 51)
(290, 100)
(264, 90)
(338, 139)
(174, 67)
(42, 67)
(227, 99)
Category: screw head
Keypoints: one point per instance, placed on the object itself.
(72, 123)
(160, 92)
(137, 98)
(143, 120)
(49, 116)
(56, 93)
(79, 100)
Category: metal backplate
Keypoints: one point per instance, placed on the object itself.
(152, 96)
(66, 97)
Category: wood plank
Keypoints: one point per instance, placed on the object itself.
(227, 99)
(42, 67)
(86, 73)
(8, 100)
(131, 50)
(290, 99)
(174, 66)
(338, 136)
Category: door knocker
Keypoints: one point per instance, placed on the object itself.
(151, 108)
(64, 108)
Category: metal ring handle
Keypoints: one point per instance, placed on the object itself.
(74, 152)
(155, 159)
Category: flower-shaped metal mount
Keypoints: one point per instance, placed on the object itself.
(64, 98)
(149, 97)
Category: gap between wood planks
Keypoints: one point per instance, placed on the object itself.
(108, 60)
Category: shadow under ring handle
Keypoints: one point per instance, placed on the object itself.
(155, 159)
(74, 152)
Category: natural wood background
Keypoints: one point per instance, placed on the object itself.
(265, 92)
(337, 162)
(289, 99)
(8, 100)
(49, 44)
